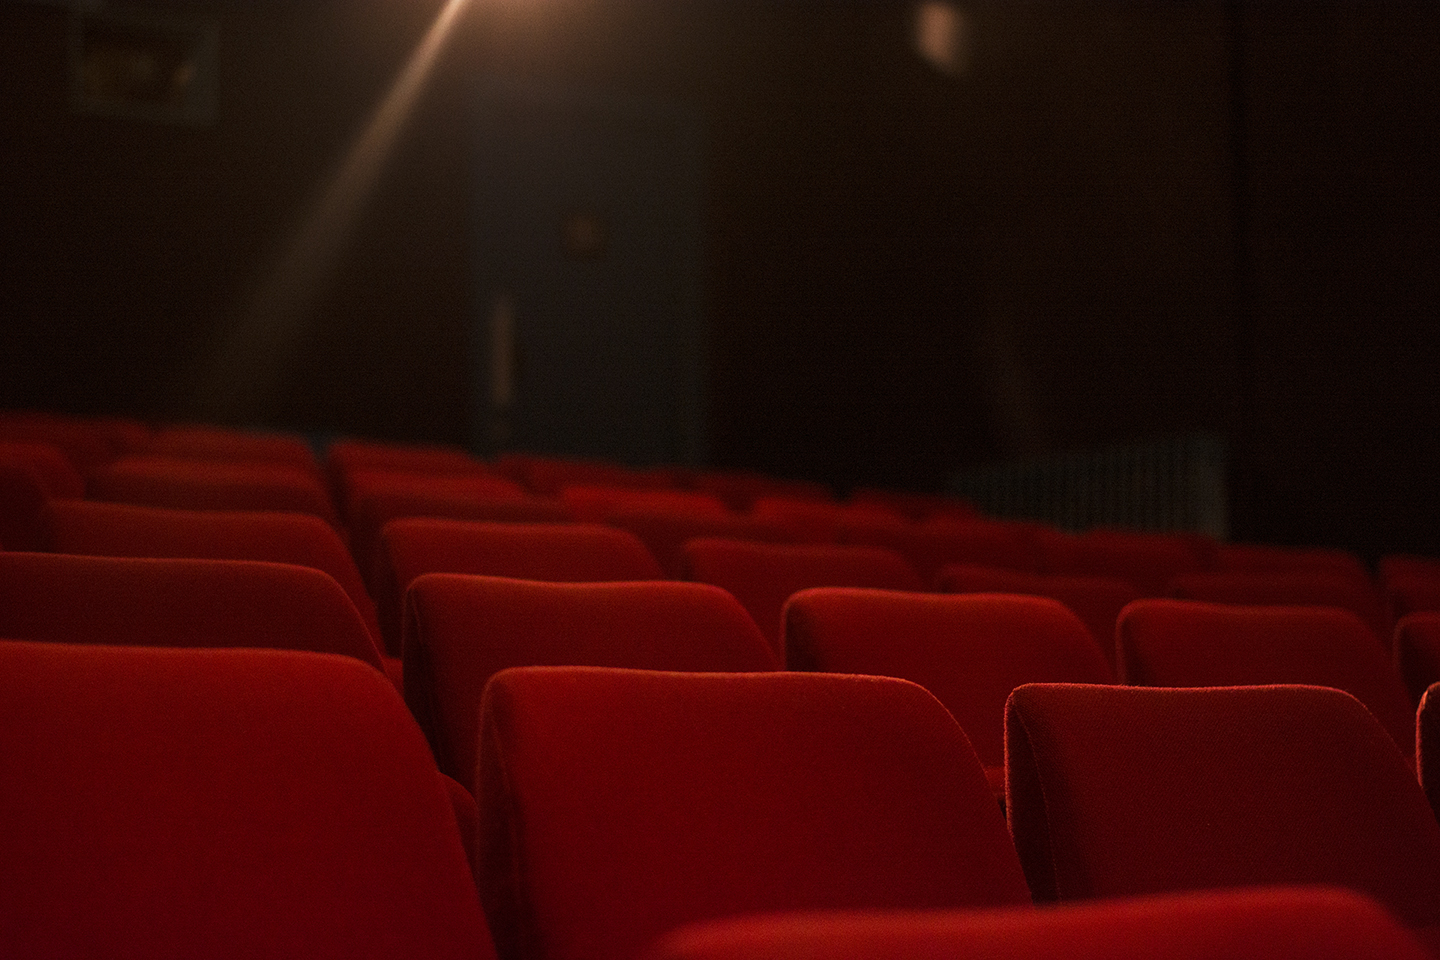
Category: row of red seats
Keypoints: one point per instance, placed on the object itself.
(522, 918)
(193, 467)
(252, 803)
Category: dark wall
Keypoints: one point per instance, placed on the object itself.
(132, 248)
(1124, 219)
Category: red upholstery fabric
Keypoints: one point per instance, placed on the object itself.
(1427, 745)
(915, 506)
(65, 598)
(1116, 791)
(740, 489)
(1266, 923)
(617, 805)
(810, 520)
(205, 442)
(547, 475)
(591, 503)
(461, 629)
(57, 475)
(22, 505)
(1259, 557)
(762, 576)
(348, 455)
(1406, 563)
(477, 482)
(123, 530)
(1306, 588)
(377, 497)
(212, 485)
(467, 818)
(1417, 652)
(87, 442)
(1412, 591)
(666, 531)
(565, 552)
(969, 650)
(1097, 601)
(1180, 643)
(930, 547)
(221, 803)
(1148, 560)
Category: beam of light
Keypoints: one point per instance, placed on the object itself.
(258, 349)
(942, 36)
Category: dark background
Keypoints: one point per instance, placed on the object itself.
(1124, 220)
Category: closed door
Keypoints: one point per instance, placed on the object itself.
(589, 335)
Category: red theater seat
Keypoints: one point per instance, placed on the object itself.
(58, 476)
(183, 484)
(591, 503)
(1305, 588)
(818, 521)
(1120, 791)
(461, 629)
(1427, 745)
(203, 442)
(347, 456)
(915, 506)
(1260, 558)
(564, 552)
(618, 805)
(1148, 560)
(64, 598)
(377, 497)
(762, 576)
(1183, 643)
(665, 531)
(970, 651)
(123, 530)
(1097, 601)
(1417, 652)
(740, 489)
(547, 475)
(929, 547)
(1266, 923)
(22, 505)
(223, 804)
(1412, 590)
(88, 442)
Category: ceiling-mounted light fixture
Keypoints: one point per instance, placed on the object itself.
(942, 36)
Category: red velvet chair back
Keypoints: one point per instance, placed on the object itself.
(1183, 643)
(1265, 923)
(617, 805)
(460, 630)
(1119, 791)
(969, 650)
(1416, 645)
(205, 442)
(563, 552)
(665, 532)
(23, 503)
(58, 476)
(762, 576)
(1303, 588)
(1147, 560)
(1427, 745)
(64, 598)
(590, 503)
(183, 484)
(171, 803)
(123, 530)
(929, 547)
(1097, 601)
